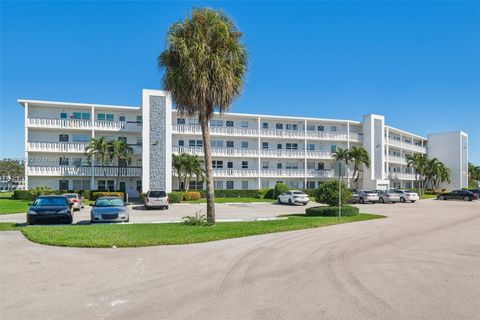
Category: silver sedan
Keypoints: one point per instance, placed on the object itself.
(109, 209)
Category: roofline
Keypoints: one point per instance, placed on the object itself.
(252, 115)
(403, 131)
(22, 102)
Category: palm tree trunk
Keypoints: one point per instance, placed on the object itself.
(207, 150)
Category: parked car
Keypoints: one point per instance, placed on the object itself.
(458, 195)
(156, 198)
(476, 191)
(387, 196)
(50, 209)
(109, 209)
(293, 197)
(406, 195)
(363, 196)
(76, 200)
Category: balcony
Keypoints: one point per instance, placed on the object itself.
(275, 153)
(319, 154)
(405, 145)
(271, 133)
(46, 123)
(396, 159)
(217, 152)
(37, 146)
(296, 173)
(83, 171)
(240, 173)
(218, 131)
(401, 176)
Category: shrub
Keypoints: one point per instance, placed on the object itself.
(328, 193)
(191, 195)
(197, 220)
(261, 194)
(331, 211)
(97, 194)
(32, 193)
(270, 194)
(280, 188)
(310, 192)
(175, 197)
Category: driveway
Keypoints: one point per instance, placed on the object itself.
(422, 262)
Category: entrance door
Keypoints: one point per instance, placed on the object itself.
(122, 186)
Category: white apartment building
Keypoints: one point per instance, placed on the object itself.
(249, 151)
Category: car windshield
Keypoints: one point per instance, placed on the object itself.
(369, 191)
(157, 194)
(71, 196)
(298, 192)
(50, 202)
(112, 202)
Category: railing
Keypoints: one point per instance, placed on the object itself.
(405, 145)
(83, 171)
(137, 149)
(342, 136)
(38, 146)
(250, 173)
(319, 154)
(272, 133)
(275, 153)
(227, 131)
(83, 124)
(401, 176)
(396, 159)
(231, 152)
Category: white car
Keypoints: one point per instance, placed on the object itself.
(293, 197)
(76, 200)
(407, 195)
(157, 198)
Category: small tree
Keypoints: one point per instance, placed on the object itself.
(280, 188)
(11, 169)
(98, 150)
(327, 193)
(121, 151)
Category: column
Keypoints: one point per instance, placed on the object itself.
(92, 180)
(26, 146)
(259, 179)
(305, 155)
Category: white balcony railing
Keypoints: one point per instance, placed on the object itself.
(405, 145)
(271, 133)
(341, 136)
(218, 152)
(83, 171)
(219, 131)
(401, 176)
(319, 154)
(246, 173)
(83, 124)
(396, 159)
(38, 146)
(275, 153)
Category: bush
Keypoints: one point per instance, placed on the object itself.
(32, 193)
(328, 193)
(280, 188)
(175, 197)
(310, 192)
(191, 195)
(270, 194)
(97, 194)
(331, 211)
(197, 220)
(262, 193)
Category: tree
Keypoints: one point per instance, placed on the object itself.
(186, 166)
(205, 65)
(473, 175)
(342, 155)
(359, 156)
(98, 150)
(327, 193)
(178, 166)
(418, 163)
(11, 169)
(121, 152)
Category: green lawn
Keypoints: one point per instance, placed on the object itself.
(13, 206)
(140, 235)
(7, 195)
(225, 200)
(428, 196)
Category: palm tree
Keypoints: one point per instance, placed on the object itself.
(342, 155)
(205, 65)
(443, 175)
(120, 151)
(178, 166)
(193, 167)
(418, 163)
(98, 150)
(430, 173)
(473, 175)
(359, 156)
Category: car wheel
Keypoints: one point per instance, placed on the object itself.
(413, 201)
(381, 200)
(290, 201)
(166, 207)
(466, 198)
(402, 199)
(279, 201)
(361, 201)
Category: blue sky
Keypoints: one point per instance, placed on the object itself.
(418, 63)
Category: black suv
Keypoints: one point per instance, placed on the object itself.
(50, 209)
(458, 195)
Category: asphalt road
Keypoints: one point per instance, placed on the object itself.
(422, 262)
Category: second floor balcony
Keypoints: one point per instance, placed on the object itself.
(61, 147)
(83, 171)
(46, 123)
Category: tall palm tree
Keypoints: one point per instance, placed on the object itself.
(342, 155)
(418, 163)
(205, 65)
(443, 175)
(473, 175)
(430, 173)
(193, 167)
(178, 166)
(98, 151)
(359, 156)
(120, 151)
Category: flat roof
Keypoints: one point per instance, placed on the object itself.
(22, 102)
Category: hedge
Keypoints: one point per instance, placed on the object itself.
(98, 194)
(331, 211)
(192, 195)
(280, 188)
(175, 196)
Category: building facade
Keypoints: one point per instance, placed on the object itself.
(249, 151)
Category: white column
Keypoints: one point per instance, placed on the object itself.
(348, 135)
(305, 155)
(259, 165)
(26, 143)
(92, 179)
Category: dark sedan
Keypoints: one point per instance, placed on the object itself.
(458, 195)
(50, 209)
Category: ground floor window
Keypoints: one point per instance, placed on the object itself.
(230, 185)
(139, 185)
(110, 186)
(63, 185)
(81, 184)
(218, 185)
(310, 184)
(196, 185)
(265, 184)
(244, 185)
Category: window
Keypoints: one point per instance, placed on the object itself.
(63, 185)
(101, 116)
(121, 118)
(230, 185)
(122, 162)
(245, 144)
(124, 139)
(264, 145)
(320, 166)
(199, 143)
(311, 146)
(291, 166)
(291, 146)
(244, 124)
(333, 128)
(333, 148)
(101, 185)
(77, 115)
(81, 184)
(265, 125)
(229, 123)
(321, 128)
(264, 164)
(63, 161)
(180, 121)
(279, 146)
(191, 143)
(110, 117)
(244, 164)
(77, 162)
(310, 184)
(181, 143)
(111, 185)
(279, 165)
(290, 126)
(63, 137)
(244, 185)
(217, 143)
(63, 115)
(139, 185)
(265, 184)
(218, 185)
(196, 185)
(311, 165)
(230, 144)
(217, 164)
(229, 165)
(81, 115)
(310, 127)
(279, 126)
(216, 123)
(193, 122)
(139, 119)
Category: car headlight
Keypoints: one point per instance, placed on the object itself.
(31, 212)
(64, 211)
